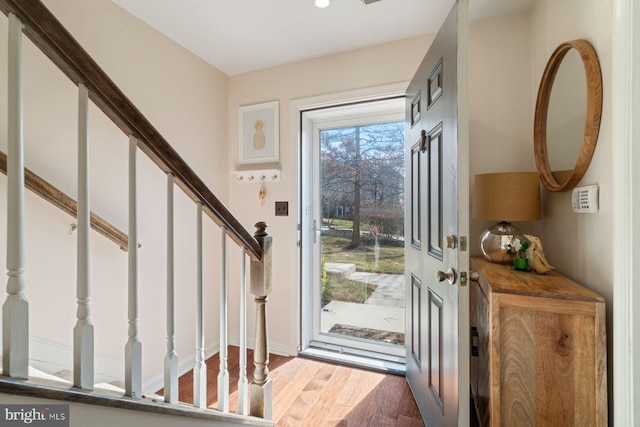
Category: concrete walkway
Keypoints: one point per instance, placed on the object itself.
(389, 291)
(383, 310)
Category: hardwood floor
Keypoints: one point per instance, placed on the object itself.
(308, 392)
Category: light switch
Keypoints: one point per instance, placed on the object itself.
(282, 208)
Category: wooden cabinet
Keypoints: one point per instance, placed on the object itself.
(538, 349)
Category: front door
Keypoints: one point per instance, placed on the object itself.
(433, 234)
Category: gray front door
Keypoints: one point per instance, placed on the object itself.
(432, 243)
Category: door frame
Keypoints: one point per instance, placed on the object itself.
(626, 204)
(296, 108)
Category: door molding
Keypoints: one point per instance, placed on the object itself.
(626, 203)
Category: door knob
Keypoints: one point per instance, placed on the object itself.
(449, 276)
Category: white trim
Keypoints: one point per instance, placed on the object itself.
(274, 348)
(186, 364)
(626, 262)
(352, 96)
(51, 357)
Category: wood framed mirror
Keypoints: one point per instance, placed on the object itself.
(571, 139)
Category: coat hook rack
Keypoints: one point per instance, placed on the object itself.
(263, 175)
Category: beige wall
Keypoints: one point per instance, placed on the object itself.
(375, 66)
(581, 245)
(186, 100)
(500, 111)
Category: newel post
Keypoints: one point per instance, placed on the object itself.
(261, 388)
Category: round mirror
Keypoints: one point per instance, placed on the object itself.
(567, 117)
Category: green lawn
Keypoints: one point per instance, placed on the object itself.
(390, 259)
(335, 249)
(341, 289)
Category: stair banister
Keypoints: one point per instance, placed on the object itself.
(171, 358)
(243, 382)
(46, 32)
(83, 360)
(15, 311)
(32, 18)
(223, 375)
(200, 368)
(133, 347)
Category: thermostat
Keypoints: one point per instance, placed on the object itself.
(585, 199)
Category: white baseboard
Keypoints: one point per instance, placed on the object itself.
(275, 348)
(185, 364)
(51, 357)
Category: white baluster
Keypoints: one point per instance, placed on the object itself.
(15, 311)
(133, 349)
(200, 369)
(223, 375)
(171, 359)
(243, 382)
(83, 360)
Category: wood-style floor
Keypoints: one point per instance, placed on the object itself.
(308, 392)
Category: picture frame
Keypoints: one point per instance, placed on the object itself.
(259, 134)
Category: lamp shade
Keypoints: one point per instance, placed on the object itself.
(507, 196)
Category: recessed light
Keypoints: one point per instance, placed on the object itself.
(322, 3)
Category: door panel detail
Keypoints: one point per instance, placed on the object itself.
(416, 311)
(415, 196)
(434, 147)
(435, 347)
(434, 84)
(415, 108)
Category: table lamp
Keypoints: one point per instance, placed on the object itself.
(505, 197)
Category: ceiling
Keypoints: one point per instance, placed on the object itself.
(237, 36)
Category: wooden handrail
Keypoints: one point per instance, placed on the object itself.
(59, 199)
(46, 32)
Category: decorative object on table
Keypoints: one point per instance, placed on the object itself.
(519, 248)
(505, 197)
(536, 257)
(259, 133)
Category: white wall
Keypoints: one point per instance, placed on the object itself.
(374, 66)
(186, 100)
(581, 245)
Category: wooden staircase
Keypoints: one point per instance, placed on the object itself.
(33, 20)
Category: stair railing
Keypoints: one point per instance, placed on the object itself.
(33, 19)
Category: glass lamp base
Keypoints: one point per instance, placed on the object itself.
(495, 240)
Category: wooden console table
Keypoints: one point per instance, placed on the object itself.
(539, 349)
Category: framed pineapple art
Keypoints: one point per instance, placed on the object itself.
(259, 125)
